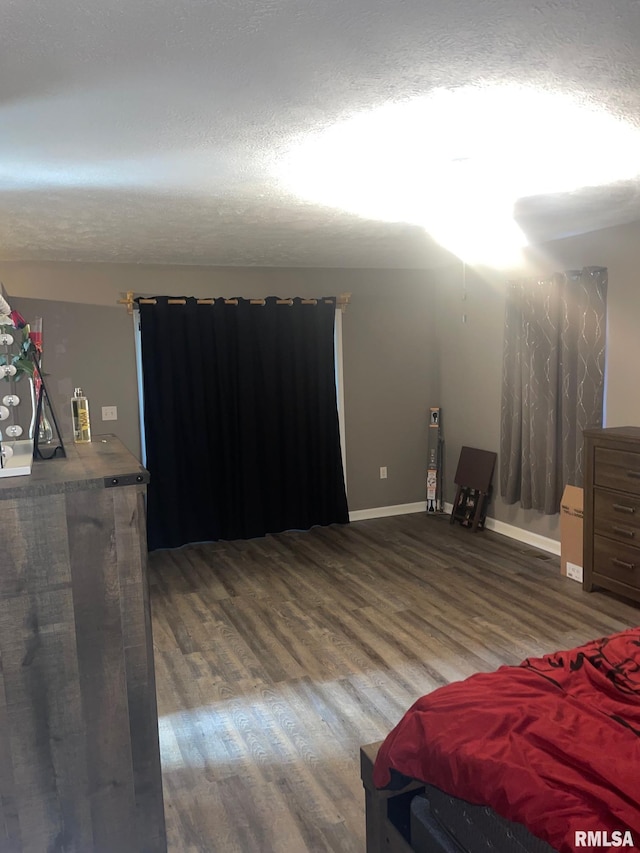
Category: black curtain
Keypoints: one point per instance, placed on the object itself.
(241, 419)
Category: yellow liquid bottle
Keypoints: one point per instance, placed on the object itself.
(80, 414)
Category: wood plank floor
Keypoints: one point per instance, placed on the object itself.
(277, 658)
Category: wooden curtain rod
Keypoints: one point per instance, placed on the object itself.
(341, 301)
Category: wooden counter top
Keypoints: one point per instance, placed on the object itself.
(87, 466)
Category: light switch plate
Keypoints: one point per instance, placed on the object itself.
(109, 413)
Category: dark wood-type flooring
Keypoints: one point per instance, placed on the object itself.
(277, 658)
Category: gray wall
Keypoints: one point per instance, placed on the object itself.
(390, 382)
(471, 353)
(90, 346)
(388, 339)
(405, 349)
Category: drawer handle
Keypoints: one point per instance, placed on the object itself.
(623, 564)
(623, 508)
(634, 474)
(623, 531)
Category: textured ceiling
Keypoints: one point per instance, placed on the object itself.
(148, 130)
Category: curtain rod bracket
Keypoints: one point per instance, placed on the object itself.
(343, 300)
(128, 302)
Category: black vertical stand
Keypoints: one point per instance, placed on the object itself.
(435, 446)
(56, 446)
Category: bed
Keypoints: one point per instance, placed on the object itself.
(520, 759)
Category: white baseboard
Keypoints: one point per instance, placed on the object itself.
(535, 540)
(384, 511)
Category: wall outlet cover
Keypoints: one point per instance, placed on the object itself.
(574, 572)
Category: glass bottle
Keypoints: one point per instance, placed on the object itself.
(80, 415)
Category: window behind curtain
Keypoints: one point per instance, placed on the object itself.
(553, 383)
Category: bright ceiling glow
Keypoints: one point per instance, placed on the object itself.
(456, 161)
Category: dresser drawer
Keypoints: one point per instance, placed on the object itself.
(617, 515)
(617, 469)
(617, 561)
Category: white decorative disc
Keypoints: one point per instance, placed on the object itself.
(14, 431)
(6, 340)
(7, 451)
(11, 400)
(4, 413)
(8, 370)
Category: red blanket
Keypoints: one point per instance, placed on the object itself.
(553, 743)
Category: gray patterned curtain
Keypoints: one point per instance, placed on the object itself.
(552, 383)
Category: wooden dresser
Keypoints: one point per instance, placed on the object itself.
(612, 510)
(79, 756)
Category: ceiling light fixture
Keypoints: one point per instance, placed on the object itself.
(456, 161)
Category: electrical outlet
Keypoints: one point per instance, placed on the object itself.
(574, 572)
(109, 413)
(383, 472)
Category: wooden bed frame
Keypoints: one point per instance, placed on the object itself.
(387, 812)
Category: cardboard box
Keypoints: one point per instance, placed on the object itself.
(571, 510)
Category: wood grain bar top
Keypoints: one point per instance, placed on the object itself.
(102, 463)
